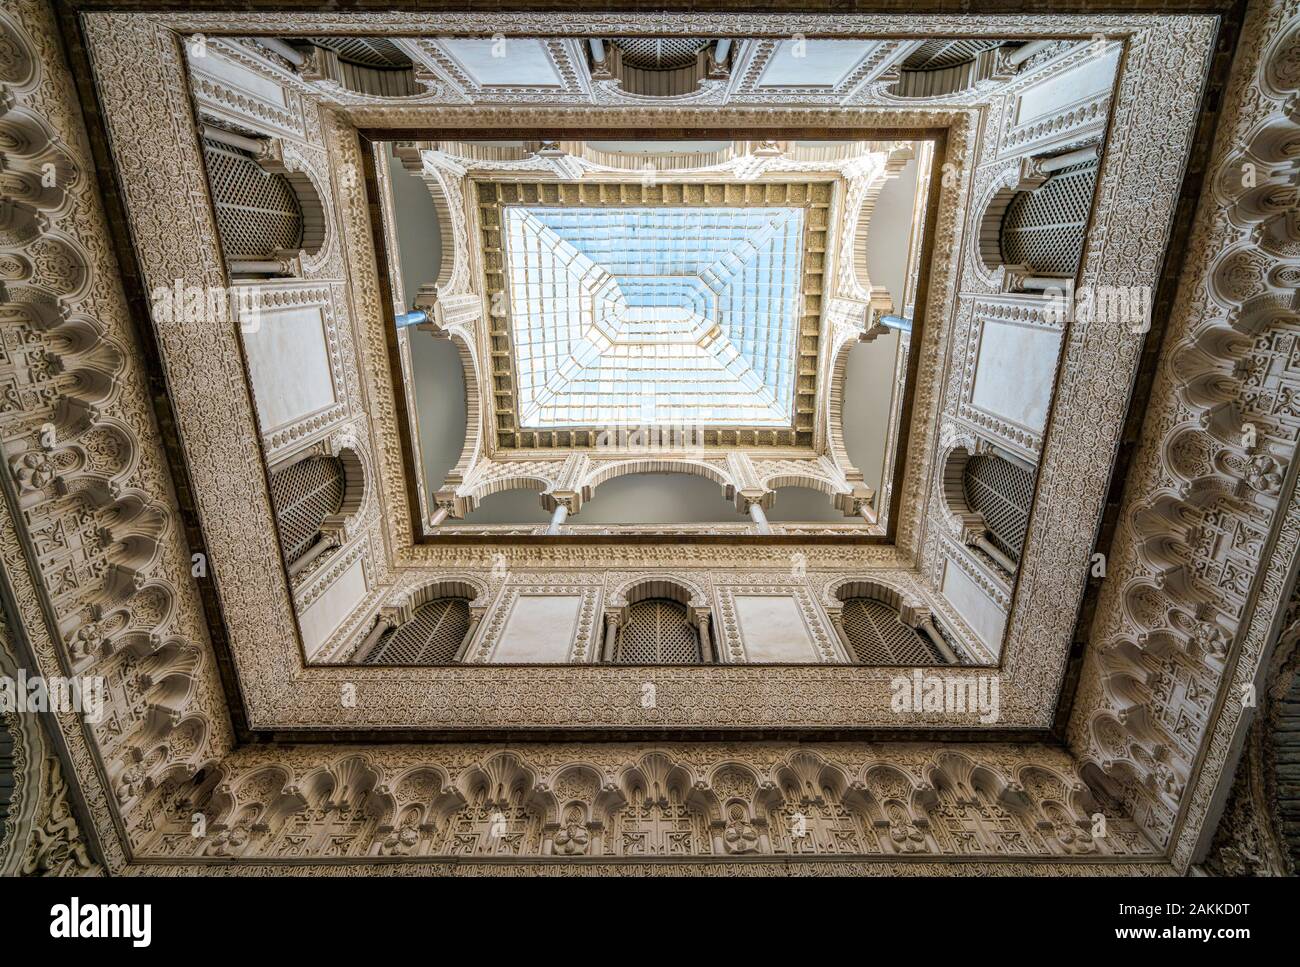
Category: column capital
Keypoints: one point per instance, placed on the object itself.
(751, 496)
(456, 505)
(570, 500)
(853, 501)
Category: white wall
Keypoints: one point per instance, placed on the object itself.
(328, 611)
(985, 617)
(541, 628)
(772, 628)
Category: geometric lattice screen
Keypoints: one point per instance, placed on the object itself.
(432, 636)
(303, 495)
(1044, 228)
(366, 51)
(657, 632)
(257, 211)
(1002, 491)
(660, 53)
(879, 638)
(940, 54)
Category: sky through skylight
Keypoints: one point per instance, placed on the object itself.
(654, 316)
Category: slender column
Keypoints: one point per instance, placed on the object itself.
(706, 641)
(991, 549)
(1041, 283)
(558, 517)
(241, 141)
(611, 635)
(1022, 54)
(721, 50)
(413, 318)
(439, 516)
(381, 625)
(896, 322)
(313, 552)
(837, 622)
(597, 49)
(868, 513)
(475, 619)
(759, 518)
(1070, 158)
(259, 266)
(928, 629)
(284, 50)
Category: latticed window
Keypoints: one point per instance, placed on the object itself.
(1002, 491)
(1044, 228)
(879, 638)
(377, 52)
(257, 211)
(657, 631)
(660, 53)
(939, 54)
(303, 495)
(432, 636)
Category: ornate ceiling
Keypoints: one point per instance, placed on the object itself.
(155, 560)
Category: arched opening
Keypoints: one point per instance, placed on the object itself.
(259, 217)
(433, 635)
(303, 495)
(1043, 230)
(1002, 492)
(943, 66)
(803, 504)
(657, 631)
(877, 635)
(365, 65)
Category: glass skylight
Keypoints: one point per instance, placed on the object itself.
(654, 316)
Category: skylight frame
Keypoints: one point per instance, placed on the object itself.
(746, 263)
(815, 195)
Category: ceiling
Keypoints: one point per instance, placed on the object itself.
(652, 317)
(602, 248)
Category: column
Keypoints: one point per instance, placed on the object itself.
(1041, 283)
(284, 50)
(313, 552)
(382, 624)
(558, 517)
(988, 547)
(255, 145)
(611, 636)
(1077, 157)
(1022, 54)
(895, 322)
(837, 622)
(475, 619)
(759, 518)
(439, 516)
(706, 642)
(261, 267)
(928, 629)
(415, 317)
